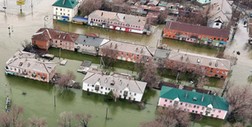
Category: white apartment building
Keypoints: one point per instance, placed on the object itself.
(121, 85)
(65, 10)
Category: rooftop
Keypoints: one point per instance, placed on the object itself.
(92, 41)
(128, 47)
(196, 29)
(119, 17)
(192, 58)
(29, 61)
(194, 97)
(116, 82)
(66, 3)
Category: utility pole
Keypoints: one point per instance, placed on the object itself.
(106, 118)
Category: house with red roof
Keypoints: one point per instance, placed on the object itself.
(196, 34)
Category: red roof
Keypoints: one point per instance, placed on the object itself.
(44, 34)
(197, 29)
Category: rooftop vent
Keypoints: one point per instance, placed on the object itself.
(216, 64)
(194, 98)
(202, 99)
(112, 83)
(198, 60)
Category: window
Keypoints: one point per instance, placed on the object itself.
(170, 101)
(212, 115)
(165, 100)
(219, 111)
(193, 111)
(56, 8)
(164, 105)
(203, 108)
(101, 87)
(60, 9)
(194, 106)
(186, 104)
(135, 94)
(217, 116)
(92, 85)
(197, 106)
(181, 103)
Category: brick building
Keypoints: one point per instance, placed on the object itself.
(196, 34)
(126, 51)
(194, 63)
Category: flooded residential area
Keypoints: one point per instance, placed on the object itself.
(120, 73)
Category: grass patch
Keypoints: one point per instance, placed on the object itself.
(215, 82)
(208, 121)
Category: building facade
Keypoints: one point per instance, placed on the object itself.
(194, 102)
(25, 64)
(126, 51)
(65, 10)
(121, 86)
(117, 21)
(45, 38)
(194, 63)
(64, 40)
(89, 44)
(196, 34)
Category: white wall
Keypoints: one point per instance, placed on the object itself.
(131, 95)
(59, 11)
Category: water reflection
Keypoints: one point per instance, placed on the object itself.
(66, 95)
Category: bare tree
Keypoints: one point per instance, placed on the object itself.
(109, 55)
(83, 119)
(149, 74)
(12, 118)
(89, 6)
(65, 80)
(240, 103)
(162, 17)
(65, 119)
(37, 122)
(5, 120)
(170, 117)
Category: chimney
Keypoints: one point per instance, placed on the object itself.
(216, 64)
(139, 20)
(102, 14)
(141, 50)
(186, 95)
(123, 17)
(115, 46)
(136, 49)
(202, 99)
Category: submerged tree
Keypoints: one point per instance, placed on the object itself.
(12, 118)
(83, 119)
(169, 117)
(240, 104)
(65, 119)
(150, 75)
(109, 56)
(65, 79)
(37, 122)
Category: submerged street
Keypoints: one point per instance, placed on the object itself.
(16, 27)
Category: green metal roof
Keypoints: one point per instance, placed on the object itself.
(194, 97)
(66, 3)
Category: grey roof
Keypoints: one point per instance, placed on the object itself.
(129, 48)
(192, 58)
(26, 60)
(92, 41)
(120, 83)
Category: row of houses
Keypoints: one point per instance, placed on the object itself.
(200, 64)
(122, 86)
(196, 33)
